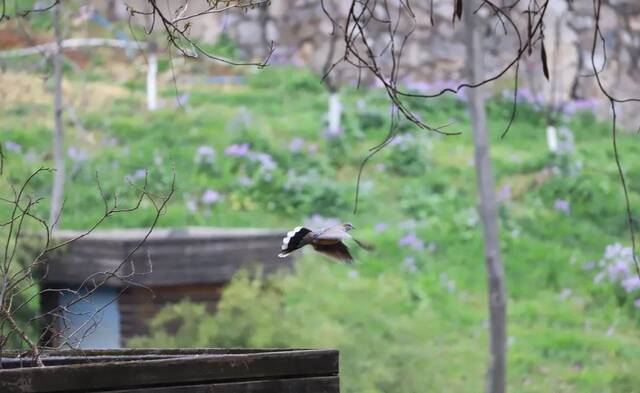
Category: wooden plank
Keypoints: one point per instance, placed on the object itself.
(190, 369)
(155, 351)
(213, 273)
(188, 261)
(291, 385)
(9, 363)
(169, 234)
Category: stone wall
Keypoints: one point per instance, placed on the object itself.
(434, 54)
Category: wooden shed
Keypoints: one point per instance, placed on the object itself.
(193, 263)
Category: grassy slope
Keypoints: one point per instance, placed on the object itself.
(557, 344)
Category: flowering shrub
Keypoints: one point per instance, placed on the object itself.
(241, 121)
(617, 267)
(205, 155)
(565, 158)
(586, 105)
(311, 191)
(364, 117)
(410, 240)
(408, 155)
(252, 163)
(205, 160)
(13, 147)
(562, 206)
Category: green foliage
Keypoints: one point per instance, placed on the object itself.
(408, 155)
(224, 48)
(410, 316)
(384, 332)
(286, 80)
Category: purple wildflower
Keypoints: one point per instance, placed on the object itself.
(572, 107)
(617, 271)
(565, 142)
(409, 263)
(611, 330)
(565, 293)
(13, 147)
(76, 154)
(237, 150)
(205, 154)
(504, 195)
(209, 197)
(448, 283)
(192, 205)
(380, 227)
(617, 250)
(597, 279)
(244, 181)
(331, 133)
(266, 161)
(412, 241)
(636, 303)
(418, 86)
(562, 206)
(432, 88)
(432, 247)
(524, 95)
(631, 284)
(296, 145)
(312, 149)
(137, 175)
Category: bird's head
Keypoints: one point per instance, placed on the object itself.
(347, 226)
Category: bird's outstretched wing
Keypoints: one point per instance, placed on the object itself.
(335, 232)
(365, 246)
(335, 250)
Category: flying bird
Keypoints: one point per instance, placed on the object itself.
(328, 241)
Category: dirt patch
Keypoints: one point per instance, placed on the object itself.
(27, 89)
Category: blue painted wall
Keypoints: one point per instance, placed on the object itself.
(91, 330)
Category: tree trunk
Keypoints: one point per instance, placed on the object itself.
(334, 113)
(58, 142)
(152, 72)
(488, 210)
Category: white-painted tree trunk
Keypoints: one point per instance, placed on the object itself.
(335, 113)
(152, 91)
(552, 139)
(496, 374)
(57, 192)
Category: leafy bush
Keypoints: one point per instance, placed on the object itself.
(384, 332)
(618, 269)
(408, 155)
(286, 80)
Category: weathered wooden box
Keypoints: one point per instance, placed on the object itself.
(175, 370)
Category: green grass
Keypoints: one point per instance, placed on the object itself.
(398, 330)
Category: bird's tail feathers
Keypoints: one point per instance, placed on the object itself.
(295, 239)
